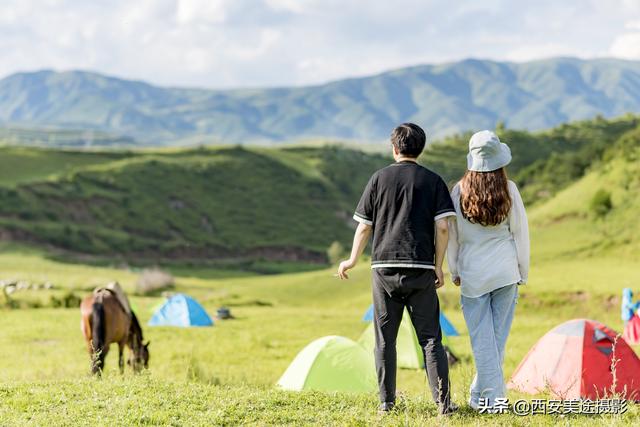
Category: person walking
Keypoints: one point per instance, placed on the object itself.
(488, 258)
(405, 206)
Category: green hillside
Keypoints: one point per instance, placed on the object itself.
(21, 165)
(445, 98)
(543, 162)
(264, 205)
(219, 204)
(571, 223)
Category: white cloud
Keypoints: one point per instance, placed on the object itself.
(631, 6)
(207, 11)
(231, 43)
(265, 40)
(632, 25)
(295, 6)
(536, 51)
(626, 46)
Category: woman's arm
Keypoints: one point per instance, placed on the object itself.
(520, 231)
(452, 251)
(454, 245)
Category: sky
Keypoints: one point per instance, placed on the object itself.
(256, 43)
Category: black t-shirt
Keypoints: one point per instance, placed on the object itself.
(402, 203)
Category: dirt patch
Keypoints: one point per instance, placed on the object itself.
(612, 302)
(187, 252)
(578, 296)
(250, 303)
(265, 253)
(9, 235)
(564, 217)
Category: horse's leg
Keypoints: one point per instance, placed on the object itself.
(92, 356)
(121, 357)
(85, 327)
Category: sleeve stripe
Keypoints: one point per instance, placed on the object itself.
(362, 220)
(447, 209)
(444, 215)
(362, 216)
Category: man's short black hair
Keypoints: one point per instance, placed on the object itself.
(408, 139)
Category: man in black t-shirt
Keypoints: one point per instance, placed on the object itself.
(406, 207)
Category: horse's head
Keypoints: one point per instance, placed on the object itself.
(139, 358)
(145, 355)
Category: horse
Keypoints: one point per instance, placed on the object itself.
(105, 321)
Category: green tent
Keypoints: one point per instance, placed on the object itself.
(408, 348)
(331, 363)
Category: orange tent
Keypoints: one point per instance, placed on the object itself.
(575, 359)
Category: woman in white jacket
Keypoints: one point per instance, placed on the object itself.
(488, 258)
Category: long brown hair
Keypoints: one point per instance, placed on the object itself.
(484, 197)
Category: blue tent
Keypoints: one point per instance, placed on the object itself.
(368, 316)
(181, 310)
(447, 327)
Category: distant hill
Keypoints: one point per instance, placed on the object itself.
(544, 162)
(63, 138)
(568, 224)
(445, 99)
(205, 205)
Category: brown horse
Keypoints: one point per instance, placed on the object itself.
(105, 321)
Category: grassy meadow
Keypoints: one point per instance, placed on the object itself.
(226, 374)
(583, 254)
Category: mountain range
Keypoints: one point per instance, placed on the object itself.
(445, 99)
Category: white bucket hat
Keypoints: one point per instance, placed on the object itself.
(487, 153)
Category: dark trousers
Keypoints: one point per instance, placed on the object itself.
(414, 288)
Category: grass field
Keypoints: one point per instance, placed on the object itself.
(225, 375)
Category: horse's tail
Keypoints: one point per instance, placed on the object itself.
(98, 335)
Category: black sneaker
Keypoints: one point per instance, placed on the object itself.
(386, 407)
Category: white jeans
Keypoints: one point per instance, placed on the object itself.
(488, 319)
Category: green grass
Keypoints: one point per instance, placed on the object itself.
(146, 401)
(226, 374)
(21, 165)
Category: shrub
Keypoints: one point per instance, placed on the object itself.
(68, 300)
(335, 252)
(152, 281)
(601, 203)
